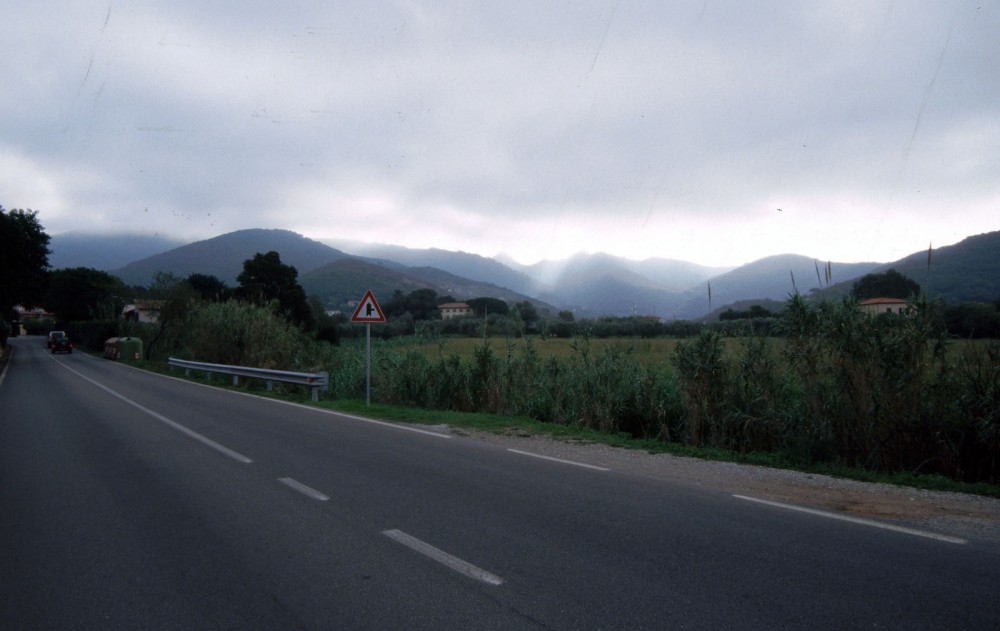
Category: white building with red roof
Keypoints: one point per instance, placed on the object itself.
(877, 306)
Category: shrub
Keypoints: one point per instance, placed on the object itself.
(704, 383)
(879, 386)
(979, 440)
(91, 334)
(243, 334)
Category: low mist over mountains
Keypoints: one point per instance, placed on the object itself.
(590, 285)
(771, 278)
(105, 252)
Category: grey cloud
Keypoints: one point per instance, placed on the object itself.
(516, 110)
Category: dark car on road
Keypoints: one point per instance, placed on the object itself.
(59, 342)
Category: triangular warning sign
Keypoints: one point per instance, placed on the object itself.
(368, 310)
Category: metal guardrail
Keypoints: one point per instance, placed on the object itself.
(316, 381)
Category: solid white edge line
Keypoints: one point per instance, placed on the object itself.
(442, 557)
(3, 375)
(857, 520)
(370, 420)
(163, 419)
(302, 488)
(575, 464)
(405, 428)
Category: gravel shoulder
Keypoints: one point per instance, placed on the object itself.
(961, 515)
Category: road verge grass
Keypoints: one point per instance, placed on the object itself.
(527, 427)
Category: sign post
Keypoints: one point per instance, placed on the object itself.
(368, 311)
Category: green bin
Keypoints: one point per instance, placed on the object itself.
(130, 348)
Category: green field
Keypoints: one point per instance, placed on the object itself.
(647, 351)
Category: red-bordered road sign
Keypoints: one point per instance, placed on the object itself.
(368, 310)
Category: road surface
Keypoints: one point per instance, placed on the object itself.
(133, 500)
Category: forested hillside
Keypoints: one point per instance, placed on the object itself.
(337, 283)
(223, 256)
(968, 271)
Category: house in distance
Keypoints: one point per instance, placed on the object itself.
(451, 310)
(878, 306)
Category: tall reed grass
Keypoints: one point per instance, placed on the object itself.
(839, 387)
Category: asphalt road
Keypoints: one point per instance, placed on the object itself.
(130, 500)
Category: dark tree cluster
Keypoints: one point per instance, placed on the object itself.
(265, 278)
(209, 288)
(888, 284)
(24, 260)
(78, 294)
(420, 304)
(754, 312)
(973, 320)
(484, 307)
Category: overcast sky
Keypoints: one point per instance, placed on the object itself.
(713, 132)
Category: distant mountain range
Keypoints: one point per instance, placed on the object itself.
(968, 271)
(223, 256)
(105, 251)
(457, 263)
(771, 278)
(591, 285)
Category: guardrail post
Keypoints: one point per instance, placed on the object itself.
(324, 384)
